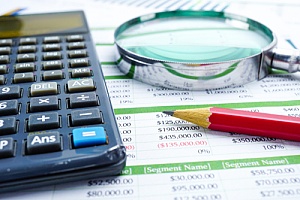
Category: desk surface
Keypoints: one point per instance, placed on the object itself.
(169, 158)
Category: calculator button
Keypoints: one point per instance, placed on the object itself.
(2, 79)
(53, 75)
(52, 39)
(4, 59)
(40, 89)
(37, 122)
(50, 65)
(23, 77)
(83, 100)
(7, 148)
(28, 57)
(52, 56)
(10, 107)
(76, 45)
(81, 62)
(43, 143)
(86, 117)
(3, 69)
(8, 125)
(6, 42)
(84, 137)
(38, 104)
(5, 50)
(27, 41)
(25, 67)
(51, 47)
(81, 85)
(81, 72)
(77, 54)
(10, 92)
(75, 38)
(27, 49)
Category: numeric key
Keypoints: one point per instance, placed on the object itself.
(8, 125)
(10, 92)
(10, 107)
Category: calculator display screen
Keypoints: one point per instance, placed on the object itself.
(39, 24)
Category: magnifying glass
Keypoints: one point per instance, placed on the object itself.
(198, 50)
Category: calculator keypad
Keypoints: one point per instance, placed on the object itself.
(47, 84)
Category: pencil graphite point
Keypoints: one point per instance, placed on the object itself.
(169, 112)
(198, 116)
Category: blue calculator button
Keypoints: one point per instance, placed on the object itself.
(84, 137)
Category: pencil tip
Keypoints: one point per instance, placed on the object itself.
(169, 112)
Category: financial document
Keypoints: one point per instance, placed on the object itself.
(168, 158)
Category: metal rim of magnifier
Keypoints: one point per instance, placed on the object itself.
(195, 76)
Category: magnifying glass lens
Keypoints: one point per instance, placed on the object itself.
(194, 50)
(193, 39)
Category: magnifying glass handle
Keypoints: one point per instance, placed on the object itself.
(286, 59)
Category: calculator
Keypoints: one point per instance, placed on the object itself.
(56, 120)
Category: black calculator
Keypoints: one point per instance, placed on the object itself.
(56, 119)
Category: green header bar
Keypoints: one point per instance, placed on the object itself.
(211, 165)
(119, 111)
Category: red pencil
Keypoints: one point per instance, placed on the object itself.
(244, 122)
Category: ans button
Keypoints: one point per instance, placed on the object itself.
(43, 143)
(85, 137)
